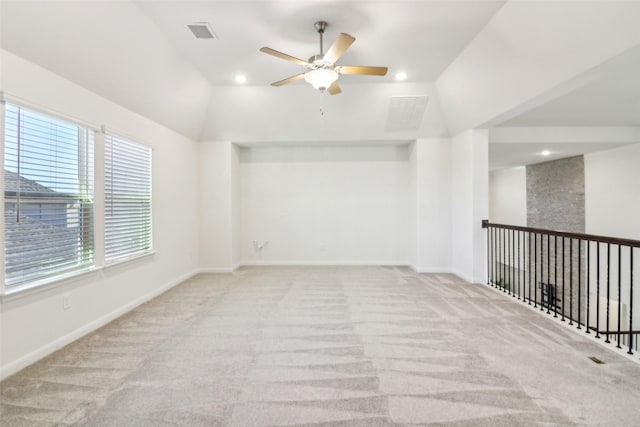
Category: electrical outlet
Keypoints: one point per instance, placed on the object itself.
(66, 305)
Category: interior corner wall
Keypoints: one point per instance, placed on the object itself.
(480, 180)
(325, 205)
(612, 192)
(412, 241)
(235, 206)
(508, 196)
(433, 206)
(33, 325)
(469, 203)
(216, 169)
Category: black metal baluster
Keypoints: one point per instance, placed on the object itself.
(579, 279)
(630, 300)
(554, 299)
(504, 262)
(499, 257)
(488, 256)
(588, 283)
(530, 270)
(608, 291)
(563, 278)
(548, 273)
(619, 290)
(518, 264)
(598, 290)
(495, 261)
(571, 281)
(535, 271)
(512, 270)
(510, 246)
(513, 263)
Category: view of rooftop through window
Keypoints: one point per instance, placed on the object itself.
(48, 196)
(44, 150)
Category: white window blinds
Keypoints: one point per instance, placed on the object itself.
(48, 196)
(127, 216)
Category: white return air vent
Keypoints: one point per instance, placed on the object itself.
(406, 112)
(202, 30)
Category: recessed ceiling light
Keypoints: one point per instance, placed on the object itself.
(546, 152)
(401, 75)
(241, 78)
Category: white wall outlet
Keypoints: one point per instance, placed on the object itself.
(259, 246)
(66, 305)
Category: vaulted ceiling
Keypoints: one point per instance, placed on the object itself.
(478, 63)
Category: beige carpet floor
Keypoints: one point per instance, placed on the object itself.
(327, 346)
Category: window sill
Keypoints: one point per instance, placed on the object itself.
(32, 288)
(128, 259)
(38, 286)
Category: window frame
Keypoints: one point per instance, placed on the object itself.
(36, 286)
(84, 200)
(109, 138)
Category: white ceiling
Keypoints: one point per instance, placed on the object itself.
(141, 55)
(388, 33)
(503, 156)
(608, 95)
(605, 101)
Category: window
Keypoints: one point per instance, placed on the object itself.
(48, 197)
(127, 215)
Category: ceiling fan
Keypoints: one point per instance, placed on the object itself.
(322, 71)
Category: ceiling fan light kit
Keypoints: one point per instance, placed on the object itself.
(321, 78)
(322, 72)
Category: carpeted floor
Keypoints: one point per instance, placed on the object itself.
(334, 346)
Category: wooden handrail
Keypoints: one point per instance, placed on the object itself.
(571, 235)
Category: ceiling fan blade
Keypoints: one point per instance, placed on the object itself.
(356, 69)
(334, 89)
(338, 48)
(284, 56)
(288, 80)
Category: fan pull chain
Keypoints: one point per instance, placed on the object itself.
(321, 102)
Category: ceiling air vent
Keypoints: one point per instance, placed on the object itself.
(202, 30)
(406, 112)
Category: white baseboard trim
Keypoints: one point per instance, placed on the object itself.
(217, 270)
(463, 276)
(30, 358)
(258, 263)
(431, 270)
(320, 263)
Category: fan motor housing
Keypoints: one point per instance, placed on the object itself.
(318, 62)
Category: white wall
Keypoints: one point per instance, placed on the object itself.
(469, 203)
(250, 114)
(412, 242)
(612, 192)
(216, 183)
(461, 205)
(612, 208)
(325, 205)
(34, 325)
(508, 196)
(235, 206)
(433, 225)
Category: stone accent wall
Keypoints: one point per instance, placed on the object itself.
(555, 200)
(555, 195)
